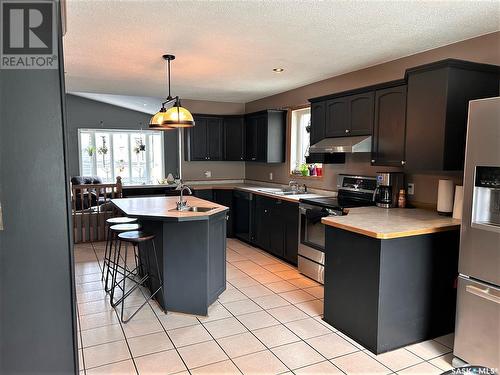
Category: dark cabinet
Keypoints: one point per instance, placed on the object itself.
(438, 100)
(337, 117)
(204, 141)
(276, 227)
(388, 142)
(361, 111)
(225, 198)
(350, 115)
(234, 138)
(265, 136)
(206, 194)
(318, 121)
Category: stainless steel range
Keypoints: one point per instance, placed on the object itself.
(353, 191)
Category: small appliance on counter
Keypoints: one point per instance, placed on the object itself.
(388, 186)
(353, 191)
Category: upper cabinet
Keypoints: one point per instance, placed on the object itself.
(342, 116)
(437, 108)
(265, 136)
(388, 141)
(419, 122)
(204, 141)
(361, 110)
(234, 138)
(318, 121)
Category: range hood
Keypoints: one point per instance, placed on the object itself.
(342, 145)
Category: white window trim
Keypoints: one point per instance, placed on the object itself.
(93, 142)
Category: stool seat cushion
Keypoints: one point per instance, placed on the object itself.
(124, 227)
(121, 220)
(136, 236)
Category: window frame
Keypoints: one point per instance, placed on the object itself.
(110, 132)
(289, 145)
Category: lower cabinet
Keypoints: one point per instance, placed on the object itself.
(225, 197)
(276, 227)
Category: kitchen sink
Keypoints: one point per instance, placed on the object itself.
(281, 191)
(200, 209)
(195, 209)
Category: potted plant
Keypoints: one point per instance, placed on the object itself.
(90, 150)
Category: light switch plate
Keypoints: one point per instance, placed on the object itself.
(271, 176)
(411, 188)
(208, 174)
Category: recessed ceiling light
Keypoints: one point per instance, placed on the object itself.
(278, 70)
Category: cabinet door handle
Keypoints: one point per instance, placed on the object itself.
(347, 131)
(373, 161)
(403, 162)
(253, 158)
(265, 211)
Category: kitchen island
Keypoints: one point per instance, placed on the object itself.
(191, 247)
(390, 275)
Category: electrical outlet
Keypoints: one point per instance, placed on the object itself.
(208, 174)
(411, 188)
(271, 176)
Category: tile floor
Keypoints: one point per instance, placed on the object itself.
(268, 321)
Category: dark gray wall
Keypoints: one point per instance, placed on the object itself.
(37, 317)
(88, 114)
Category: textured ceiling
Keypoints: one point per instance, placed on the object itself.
(226, 50)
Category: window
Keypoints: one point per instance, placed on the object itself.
(137, 157)
(300, 139)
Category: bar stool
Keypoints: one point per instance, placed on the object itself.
(114, 231)
(107, 252)
(136, 238)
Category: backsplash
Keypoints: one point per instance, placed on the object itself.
(425, 184)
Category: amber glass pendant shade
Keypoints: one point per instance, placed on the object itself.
(158, 121)
(179, 117)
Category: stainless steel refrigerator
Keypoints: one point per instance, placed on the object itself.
(477, 331)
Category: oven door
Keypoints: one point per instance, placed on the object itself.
(312, 233)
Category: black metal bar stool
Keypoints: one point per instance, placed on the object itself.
(145, 275)
(114, 258)
(107, 252)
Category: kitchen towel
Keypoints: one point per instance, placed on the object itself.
(446, 190)
(458, 203)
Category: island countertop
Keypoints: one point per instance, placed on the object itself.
(164, 208)
(390, 223)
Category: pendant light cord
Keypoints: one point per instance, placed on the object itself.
(168, 75)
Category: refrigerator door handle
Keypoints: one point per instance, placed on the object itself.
(483, 293)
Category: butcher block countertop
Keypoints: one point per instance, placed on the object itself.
(164, 208)
(392, 223)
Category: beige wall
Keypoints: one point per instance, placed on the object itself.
(485, 49)
(195, 170)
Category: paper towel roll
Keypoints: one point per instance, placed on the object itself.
(458, 203)
(446, 190)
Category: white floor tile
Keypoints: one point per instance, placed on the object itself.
(423, 368)
(428, 349)
(225, 327)
(261, 363)
(242, 344)
(219, 368)
(167, 362)
(297, 354)
(256, 320)
(104, 354)
(332, 345)
(321, 368)
(149, 344)
(275, 336)
(189, 335)
(360, 363)
(202, 354)
(307, 328)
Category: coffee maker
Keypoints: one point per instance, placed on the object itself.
(387, 191)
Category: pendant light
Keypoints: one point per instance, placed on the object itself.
(174, 117)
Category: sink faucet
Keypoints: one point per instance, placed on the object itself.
(182, 204)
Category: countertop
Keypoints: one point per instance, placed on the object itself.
(163, 208)
(262, 190)
(390, 223)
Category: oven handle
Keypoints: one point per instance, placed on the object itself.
(483, 293)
